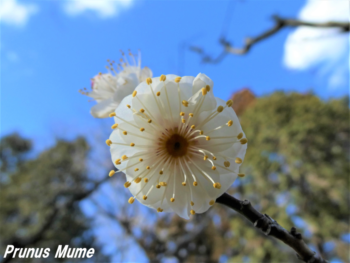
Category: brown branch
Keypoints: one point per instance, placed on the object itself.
(271, 228)
(279, 24)
(50, 219)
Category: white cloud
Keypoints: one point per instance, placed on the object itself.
(326, 49)
(103, 8)
(15, 13)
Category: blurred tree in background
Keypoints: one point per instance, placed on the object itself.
(297, 171)
(297, 167)
(39, 197)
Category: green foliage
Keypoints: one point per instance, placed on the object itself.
(39, 191)
(298, 154)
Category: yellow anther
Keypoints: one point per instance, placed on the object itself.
(172, 199)
(207, 138)
(244, 141)
(148, 81)
(145, 180)
(227, 164)
(192, 212)
(141, 160)
(158, 93)
(142, 110)
(201, 132)
(163, 183)
(204, 91)
(192, 204)
(158, 186)
(108, 142)
(144, 197)
(214, 158)
(124, 157)
(205, 157)
(127, 184)
(142, 129)
(183, 121)
(182, 113)
(238, 160)
(134, 93)
(136, 169)
(159, 210)
(111, 173)
(241, 175)
(229, 103)
(131, 200)
(229, 123)
(211, 202)
(195, 183)
(191, 115)
(100, 73)
(185, 103)
(213, 167)
(114, 126)
(193, 126)
(177, 79)
(137, 180)
(125, 132)
(183, 183)
(239, 136)
(149, 121)
(112, 114)
(147, 167)
(220, 108)
(217, 185)
(160, 172)
(117, 161)
(162, 78)
(127, 105)
(207, 87)
(132, 144)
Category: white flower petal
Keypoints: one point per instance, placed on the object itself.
(201, 81)
(146, 72)
(181, 203)
(188, 144)
(123, 113)
(128, 86)
(103, 108)
(119, 148)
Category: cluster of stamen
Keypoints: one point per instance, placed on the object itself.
(114, 69)
(177, 145)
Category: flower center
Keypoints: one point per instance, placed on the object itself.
(177, 145)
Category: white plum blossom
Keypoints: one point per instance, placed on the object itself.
(179, 146)
(110, 89)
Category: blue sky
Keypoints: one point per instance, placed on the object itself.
(47, 58)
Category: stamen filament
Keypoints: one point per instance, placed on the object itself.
(188, 167)
(202, 172)
(130, 123)
(149, 112)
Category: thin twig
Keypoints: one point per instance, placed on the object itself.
(270, 227)
(279, 24)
